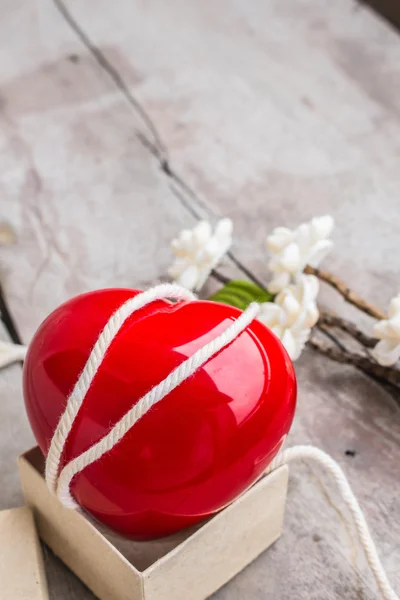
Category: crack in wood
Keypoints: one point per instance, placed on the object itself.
(389, 9)
(157, 147)
(8, 320)
(114, 74)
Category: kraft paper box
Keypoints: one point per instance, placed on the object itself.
(192, 564)
(21, 562)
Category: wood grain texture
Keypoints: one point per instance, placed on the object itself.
(82, 221)
(272, 112)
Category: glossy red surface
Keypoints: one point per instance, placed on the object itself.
(194, 452)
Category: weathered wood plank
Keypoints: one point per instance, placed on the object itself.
(274, 112)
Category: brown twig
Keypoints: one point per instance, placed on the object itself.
(346, 292)
(325, 320)
(328, 319)
(362, 363)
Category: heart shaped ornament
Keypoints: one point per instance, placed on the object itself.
(193, 452)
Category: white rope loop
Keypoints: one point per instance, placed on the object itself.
(157, 393)
(93, 364)
(59, 483)
(347, 494)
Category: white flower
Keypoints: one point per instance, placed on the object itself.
(387, 350)
(198, 251)
(293, 249)
(293, 314)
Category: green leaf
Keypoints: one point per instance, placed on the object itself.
(240, 293)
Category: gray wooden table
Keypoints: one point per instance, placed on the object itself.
(266, 112)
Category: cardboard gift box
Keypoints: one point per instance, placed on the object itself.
(192, 564)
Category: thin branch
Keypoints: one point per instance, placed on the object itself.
(330, 351)
(325, 331)
(346, 292)
(362, 363)
(328, 319)
(245, 270)
(325, 321)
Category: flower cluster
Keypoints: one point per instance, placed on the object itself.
(198, 251)
(293, 314)
(387, 350)
(291, 250)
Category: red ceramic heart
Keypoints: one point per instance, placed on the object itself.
(195, 451)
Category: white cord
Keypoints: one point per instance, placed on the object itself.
(92, 365)
(59, 483)
(346, 493)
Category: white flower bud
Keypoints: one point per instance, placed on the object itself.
(279, 239)
(293, 314)
(292, 250)
(322, 226)
(198, 251)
